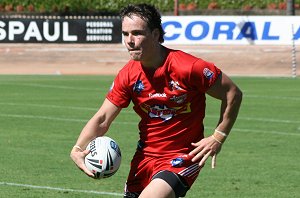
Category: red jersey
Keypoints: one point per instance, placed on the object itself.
(169, 100)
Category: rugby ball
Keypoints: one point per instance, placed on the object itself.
(104, 158)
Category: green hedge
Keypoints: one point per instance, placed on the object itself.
(112, 7)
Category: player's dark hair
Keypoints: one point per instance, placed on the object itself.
(148, 13)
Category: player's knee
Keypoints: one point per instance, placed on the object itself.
(174, 181)
(158, 188)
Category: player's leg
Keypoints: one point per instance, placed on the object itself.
(165, 184)
(158, 188)
(139, 175)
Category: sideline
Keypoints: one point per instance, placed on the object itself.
(134, 123)
(61, 189)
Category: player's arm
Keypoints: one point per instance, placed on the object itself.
(231, 97)
(96, 126)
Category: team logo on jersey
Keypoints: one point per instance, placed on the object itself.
(180, 160)
(179, 99)
(164, 112)
(208, 73)
(174, 85)
(177, 162)
(138, 86)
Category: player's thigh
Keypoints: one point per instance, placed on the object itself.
(158, 188)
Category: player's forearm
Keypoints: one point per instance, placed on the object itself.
(229, 112)
(95, 127)
(99, 124)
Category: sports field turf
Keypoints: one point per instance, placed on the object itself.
(41, 117)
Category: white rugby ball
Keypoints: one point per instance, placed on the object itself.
(104, 158)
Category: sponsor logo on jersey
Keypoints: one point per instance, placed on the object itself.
(138, 86)
(164, 112)
(174, 85)
(158, 95)
(208, 73)
(179, 99)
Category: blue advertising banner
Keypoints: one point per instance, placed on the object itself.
(237, 30)
(215, 30)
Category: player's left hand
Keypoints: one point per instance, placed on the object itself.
(204, 148)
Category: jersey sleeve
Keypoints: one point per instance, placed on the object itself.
(204, 74)
(119, 93)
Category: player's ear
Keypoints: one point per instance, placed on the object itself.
(156, 34)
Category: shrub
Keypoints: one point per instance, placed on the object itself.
(109, 7)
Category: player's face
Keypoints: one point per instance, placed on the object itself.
(139, 39)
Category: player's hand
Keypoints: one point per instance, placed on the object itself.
(78, 158)
(205, 148)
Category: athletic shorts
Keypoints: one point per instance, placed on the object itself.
(143, 168)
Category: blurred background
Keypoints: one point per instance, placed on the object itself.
(58, 59)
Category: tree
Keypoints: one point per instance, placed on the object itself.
(290, 7)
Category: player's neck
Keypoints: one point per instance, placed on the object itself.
(157, 60)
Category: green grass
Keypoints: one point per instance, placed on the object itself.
(41, 117)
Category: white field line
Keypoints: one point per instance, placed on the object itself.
(132, 123)
(273, 97)
(55, 118)
(263, 120)
(54, 86)
(262, 131)
(104, 89)
(60, 189)
(42, 117)
(132, 112)
(48, 106)
(42, 79)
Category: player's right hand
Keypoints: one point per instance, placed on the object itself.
(204, 149)
(78, 158)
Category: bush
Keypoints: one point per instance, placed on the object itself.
(109, 7)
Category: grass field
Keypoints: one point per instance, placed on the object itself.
(41, 117)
